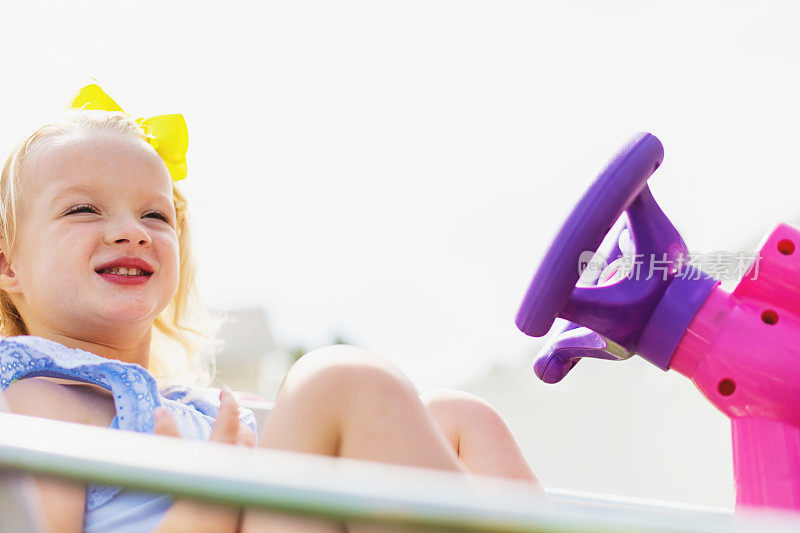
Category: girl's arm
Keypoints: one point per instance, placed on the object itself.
(61, 502)
(186, 515)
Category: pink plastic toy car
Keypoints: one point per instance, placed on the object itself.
(741, 349)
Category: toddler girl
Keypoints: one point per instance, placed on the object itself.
(98, 311)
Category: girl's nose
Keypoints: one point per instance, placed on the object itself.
(128, 231)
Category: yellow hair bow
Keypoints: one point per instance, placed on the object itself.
(166, 133)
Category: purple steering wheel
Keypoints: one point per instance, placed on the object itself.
(619, 311)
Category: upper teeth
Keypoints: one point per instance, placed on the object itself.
(124, 271)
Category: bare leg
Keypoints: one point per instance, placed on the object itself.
(343, 401)
(478, 434)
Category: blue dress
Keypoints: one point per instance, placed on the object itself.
(136, 395)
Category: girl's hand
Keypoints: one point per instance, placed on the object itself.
(186, 515)
(227, 427)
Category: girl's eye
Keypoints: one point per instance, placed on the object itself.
(86, 208)
(158, 214)
(83, 208)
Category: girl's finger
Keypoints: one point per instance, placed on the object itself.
(165, 423)
(246, 437)
(226, 426)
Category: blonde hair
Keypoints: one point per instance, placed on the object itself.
(184, 332)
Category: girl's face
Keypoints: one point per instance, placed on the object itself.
(90, 199)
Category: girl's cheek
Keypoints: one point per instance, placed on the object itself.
(81, 235)
(170, 257)
(171, 252)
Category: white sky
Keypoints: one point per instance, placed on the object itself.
(391, 172)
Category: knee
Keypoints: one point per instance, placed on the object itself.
(454, 400)
(344, 374)
(458, 411)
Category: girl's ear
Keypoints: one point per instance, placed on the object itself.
(8, 280)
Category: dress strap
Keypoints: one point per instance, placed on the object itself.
(135, 390)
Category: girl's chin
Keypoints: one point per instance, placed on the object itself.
(128, 313)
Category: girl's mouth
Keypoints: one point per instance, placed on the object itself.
(125, 276)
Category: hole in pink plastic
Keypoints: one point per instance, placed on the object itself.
(769, 317)
(726, 387)
(786, 247)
